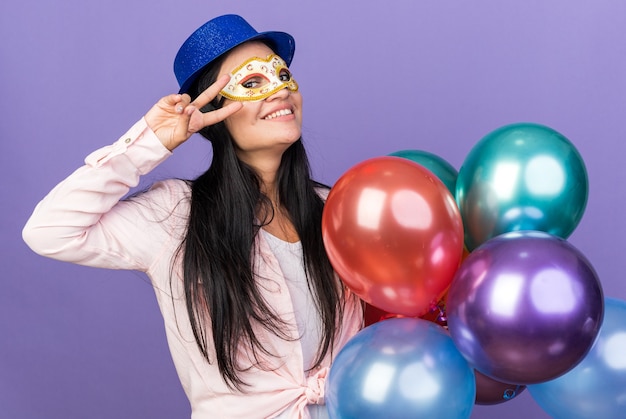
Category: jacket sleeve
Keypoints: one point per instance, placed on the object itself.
(83, 219)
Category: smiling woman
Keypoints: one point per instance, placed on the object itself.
(253, 310)
(271, 118)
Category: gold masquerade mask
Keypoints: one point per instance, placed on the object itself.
(258, 78)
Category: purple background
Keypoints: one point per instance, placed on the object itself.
(377, 77)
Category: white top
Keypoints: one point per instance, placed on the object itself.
(290, 258)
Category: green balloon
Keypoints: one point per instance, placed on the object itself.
(444, 171)
(521, 176)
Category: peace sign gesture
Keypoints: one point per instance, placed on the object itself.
(174, 118)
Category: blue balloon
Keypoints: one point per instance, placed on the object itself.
(400, 368)
(444, 171)
(596, 387)
(521, 177)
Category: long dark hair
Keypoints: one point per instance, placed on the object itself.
(218, 250)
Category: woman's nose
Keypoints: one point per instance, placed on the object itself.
(279, 94)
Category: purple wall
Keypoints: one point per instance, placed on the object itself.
(377, 77)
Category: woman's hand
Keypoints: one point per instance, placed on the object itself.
(175, 118)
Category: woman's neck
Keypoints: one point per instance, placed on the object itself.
(277, 222)
(281, 226)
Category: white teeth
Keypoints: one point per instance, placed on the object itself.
(276, 114)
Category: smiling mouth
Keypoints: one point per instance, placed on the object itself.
(276, 114)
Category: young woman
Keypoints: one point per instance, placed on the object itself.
(253, 310)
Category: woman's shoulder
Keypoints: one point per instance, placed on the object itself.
(177, 188)
(168, 197)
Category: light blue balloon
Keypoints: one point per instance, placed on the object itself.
(444, 171)
(400, 368)
(521, 176)
(596, 387)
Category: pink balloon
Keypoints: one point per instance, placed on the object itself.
(394, 234)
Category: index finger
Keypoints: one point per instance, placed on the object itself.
(211, 92)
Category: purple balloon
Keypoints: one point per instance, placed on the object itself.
(525, 307)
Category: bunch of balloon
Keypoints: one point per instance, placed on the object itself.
(525, 306)
(393, 233)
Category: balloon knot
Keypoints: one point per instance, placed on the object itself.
(510, 393)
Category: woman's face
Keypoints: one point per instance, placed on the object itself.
(265, 127)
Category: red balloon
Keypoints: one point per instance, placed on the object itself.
(373, 315)
(436, 314)
(394, 234)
